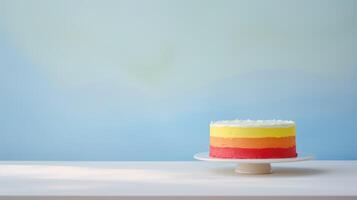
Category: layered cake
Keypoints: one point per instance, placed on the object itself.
(252, 139)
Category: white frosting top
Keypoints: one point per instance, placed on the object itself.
(254, 123)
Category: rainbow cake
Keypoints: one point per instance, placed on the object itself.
(252, 139)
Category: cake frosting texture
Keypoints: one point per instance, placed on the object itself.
(250, 139)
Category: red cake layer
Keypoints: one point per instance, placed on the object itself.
(245, 153)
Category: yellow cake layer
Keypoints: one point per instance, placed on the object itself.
(249, 132)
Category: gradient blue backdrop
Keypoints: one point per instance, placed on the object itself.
(141, 80)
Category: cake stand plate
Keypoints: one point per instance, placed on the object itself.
(252, 166)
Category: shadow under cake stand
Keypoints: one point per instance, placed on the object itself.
(252, 166)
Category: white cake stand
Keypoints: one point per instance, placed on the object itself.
(252, 166)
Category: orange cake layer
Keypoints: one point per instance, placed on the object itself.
(257, 143)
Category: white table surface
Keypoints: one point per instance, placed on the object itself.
(21, 180)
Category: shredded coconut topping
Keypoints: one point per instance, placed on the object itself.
(253, 123)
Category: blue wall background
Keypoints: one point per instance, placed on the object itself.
(141, 80)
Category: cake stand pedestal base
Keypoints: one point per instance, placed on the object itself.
(253, 168)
